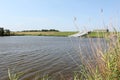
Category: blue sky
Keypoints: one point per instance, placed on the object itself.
(18, 15)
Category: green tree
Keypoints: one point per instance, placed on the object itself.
(1, 31)
(6, 32)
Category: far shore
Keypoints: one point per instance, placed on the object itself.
(62, 34)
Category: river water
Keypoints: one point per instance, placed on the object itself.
(37, 55)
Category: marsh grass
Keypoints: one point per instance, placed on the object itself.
(17, 76)
(14, 76)
(102, 65)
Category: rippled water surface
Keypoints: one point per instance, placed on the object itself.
(35, 55)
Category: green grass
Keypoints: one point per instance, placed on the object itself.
(44, 33)
(97, 34)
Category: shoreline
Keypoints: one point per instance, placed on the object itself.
(63, 34)
(58, 34)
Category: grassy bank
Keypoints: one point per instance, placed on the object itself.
(43, 33)
(98, 34)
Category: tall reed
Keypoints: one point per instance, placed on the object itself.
(103, 65)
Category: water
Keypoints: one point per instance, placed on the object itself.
(35, 55)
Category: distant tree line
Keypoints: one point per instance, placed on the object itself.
(43, 30)
(4, 32)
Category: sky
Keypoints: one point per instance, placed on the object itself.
(63, 15)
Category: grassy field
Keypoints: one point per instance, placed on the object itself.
(98, 34)
(43, 33)
(65, 34)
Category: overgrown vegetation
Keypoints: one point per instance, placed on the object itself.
(103, 65)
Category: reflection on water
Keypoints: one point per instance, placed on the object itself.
(43, 55)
